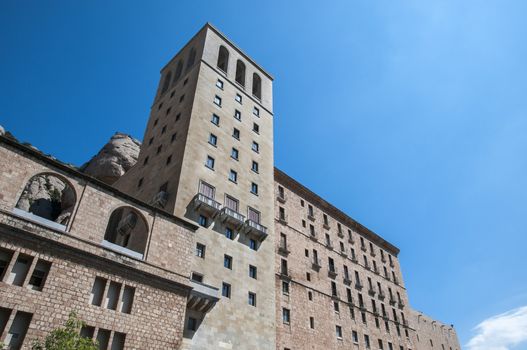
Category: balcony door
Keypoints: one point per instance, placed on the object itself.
(206, 190)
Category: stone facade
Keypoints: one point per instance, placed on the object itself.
(64, 261)
(202, 243)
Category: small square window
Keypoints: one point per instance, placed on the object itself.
(169, 160)
(219, 84)
(217, 100)
(227, 262)
(252, 271)
(182, 98)
(233, 176)
(234, 153)
(202, 221)
(213, 139)
(200, 250)
(229, 233)
(210, 162)
(252, 244)
(226, 290)
(215, 120)
(256, 111)
(254, 166)
(254, 188)
(238, 114)
(173, 138)
(197, 277)
(252, 299)
(192, 324)
(238, 98)
(256, 128)
(256, 147)
(236, 133)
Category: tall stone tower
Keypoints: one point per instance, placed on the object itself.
(207, 155)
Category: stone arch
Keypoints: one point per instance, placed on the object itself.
(49, 196)
(240, 73)
(223, 58)
(127, 228)
(257, 86)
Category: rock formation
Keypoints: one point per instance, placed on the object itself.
(114, 159)
(48, 197)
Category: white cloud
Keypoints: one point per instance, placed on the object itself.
(501, 332)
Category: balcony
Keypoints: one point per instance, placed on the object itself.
(372, 291)
(344, 253)
(311, 217)
(326, 226)
(396, 280)
(392, 264)
(340, 234)
(362, 307)
(358, 285)
(281, 198)
(385, 317)
(202, 297)
(372, 253)
(351, 240)
(283, 250)
(354, 259)
(232, 217)
(382, 295)
(334, 295)
(332, 273)
(284, 274)
(282, 219)
(255, 230)
(392, 301)
(400, 304)
(206, 205)
(376, 312)
(363, 248)
(329, 245)
(383, 258)
(313, 236)
(315, 264)
(346, 280)
(376, 270)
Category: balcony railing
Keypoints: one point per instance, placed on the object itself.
(332, 272)
(392, 301)
(340, 234)
(232, 216)
(311, 217)
(256, 230)
(383, 259)
(358, 285)
(372, 291)
(351, 240)
(206, 204)
(282, 219)
(344, 253)
(282, 249)
(363, 248)
(392, 264)
(326, 226)
(346, 280)
(401, 304)
(372, 253)
(329, 245)
(315, 264)
(281, 198)
(382, 295)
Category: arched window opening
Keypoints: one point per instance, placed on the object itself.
(179, 71)
(166, 82)
(223, 59)
(240, 73)
(46, 196)
(257, 86)
(127, 229)
(191, 58)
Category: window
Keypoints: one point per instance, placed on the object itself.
(310, 295)
(210, 162)
(140, 182)
(312, 322)
(238, 114)
(179, 70)
(182, 98)
(97, 291)
(236, 133)
(202, 221)
(255, 147)
(217, 100)
(252, 299)
(367, 341)
(285, 287)
(338, 330)
(223, 59)
(308, 276)
(178, 116)
(215, 119)
(112, 296)
(231, 203)
(336, 306)
(169, 160)
(252, 271)
(145, 162)
(172, 93)
(226, 290)
(103, 338)
(238, 98)
(200, 250)
(164, 129)
(150, 141)
(240, 73)
(233, 176)
(192, 324)
(196, 277)
(234, 153)
(381, 346)
(173, 138)
(252, 244)
(159, 149)
(257, 86)
(20, 270)
(256, 128)
(254, 166)
(286, 315)
(191, 58)
(213, 139)
(156, 121)
(355, 336)
(17, 330)
(229, 233)
(227, 261)
(39, 275)
(219, 83)
(166, 82)
(254, 188)
(256, 111)
(168, 110)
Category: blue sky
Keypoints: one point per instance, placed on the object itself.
(411, 116)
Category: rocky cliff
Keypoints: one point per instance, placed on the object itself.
(114, 159)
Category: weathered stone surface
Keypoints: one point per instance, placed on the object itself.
(114, 159)
(49, 197)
